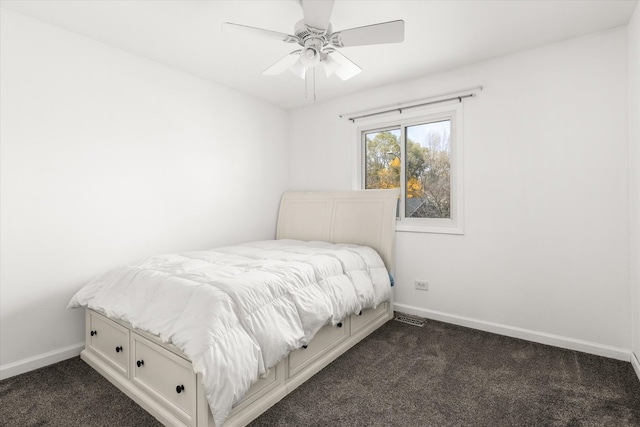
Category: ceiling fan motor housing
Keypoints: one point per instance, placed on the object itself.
(303, 32)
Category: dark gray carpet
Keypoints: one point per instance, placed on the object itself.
(401, 375)
(446, 375)
(68, 393)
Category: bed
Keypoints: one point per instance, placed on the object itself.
(353, 229)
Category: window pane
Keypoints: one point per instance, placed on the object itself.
(428, 187)
(382, 163)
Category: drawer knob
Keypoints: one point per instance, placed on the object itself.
(179, 389)
(94, 333)
(339, 324)
(140, 363)
(118, 349)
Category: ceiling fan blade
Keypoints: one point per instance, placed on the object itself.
(229, 27)
(317, 13)
(347, 68)
(283, 64)
(385, 32)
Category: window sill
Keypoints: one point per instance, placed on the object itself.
(413, 228)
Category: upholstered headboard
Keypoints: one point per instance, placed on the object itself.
(363, 217)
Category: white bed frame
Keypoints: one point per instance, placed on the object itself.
(165, 384)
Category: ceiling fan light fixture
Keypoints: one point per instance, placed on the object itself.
(330, 66)
(310, 56)
(311, 52)
(298, 69)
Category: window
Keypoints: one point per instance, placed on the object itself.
(421, 155)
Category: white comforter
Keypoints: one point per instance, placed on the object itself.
(237, 311)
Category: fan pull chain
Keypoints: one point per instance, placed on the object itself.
(314, 83)
(306, 83)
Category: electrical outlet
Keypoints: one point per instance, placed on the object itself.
(422, 285)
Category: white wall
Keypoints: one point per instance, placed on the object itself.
(634, 166)
(545, 254)
(105, 158)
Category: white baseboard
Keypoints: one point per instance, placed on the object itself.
(635, 361)
(514, 332)
(40, 361)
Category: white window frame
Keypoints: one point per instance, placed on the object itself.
(453, 225)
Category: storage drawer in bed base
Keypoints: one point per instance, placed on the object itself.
(180, 410)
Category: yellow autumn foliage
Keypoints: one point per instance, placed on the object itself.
(414, 188)
(389, 177)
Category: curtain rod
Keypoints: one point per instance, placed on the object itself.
(422, 104)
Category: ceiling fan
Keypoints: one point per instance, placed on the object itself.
(319, 42)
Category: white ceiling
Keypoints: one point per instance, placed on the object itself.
(439, 35)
